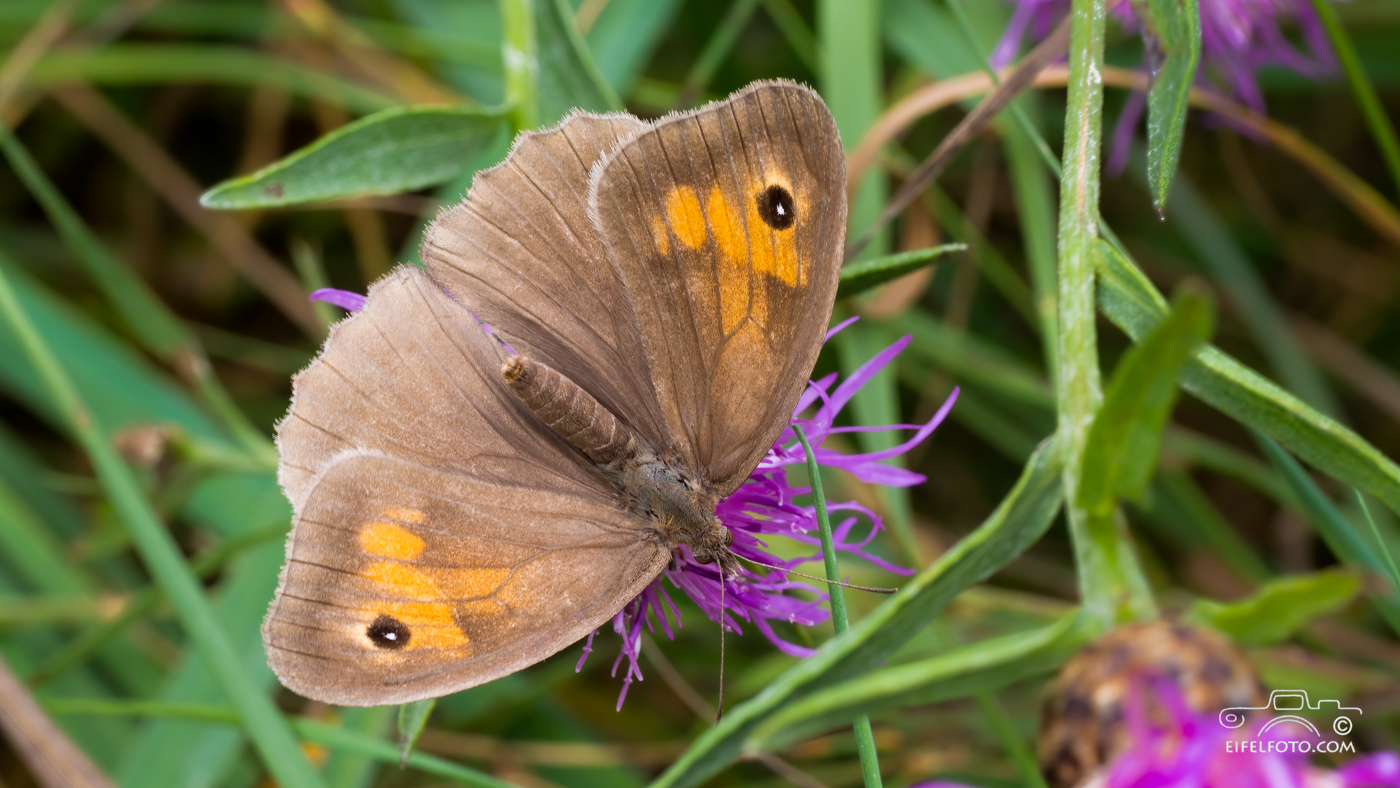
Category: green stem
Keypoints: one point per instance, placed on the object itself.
(261, 721)
(1111, 583)
(865, 738)
(1011, 739)
(1382, 129)
(715, 51)
(521, 60)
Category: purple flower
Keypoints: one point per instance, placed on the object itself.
(350, 302)
(764, 505)
(1238, 37)
(1182, 748)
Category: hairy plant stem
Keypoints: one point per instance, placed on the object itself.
(521, 61)
(865, 737)
(1111, 584)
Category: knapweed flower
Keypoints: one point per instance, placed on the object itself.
(764, 505)
(1173, 746)
(1238, 38)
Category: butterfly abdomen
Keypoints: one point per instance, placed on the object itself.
(570, 411)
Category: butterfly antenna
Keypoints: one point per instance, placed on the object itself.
(719, 704)
(871, 589)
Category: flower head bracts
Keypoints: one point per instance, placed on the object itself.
(765, 505)
(1182, 748)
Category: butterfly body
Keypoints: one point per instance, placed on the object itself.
(497, 454)
(677, 500)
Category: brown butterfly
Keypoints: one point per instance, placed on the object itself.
(471, 498)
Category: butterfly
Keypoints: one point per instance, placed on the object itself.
(497, 454)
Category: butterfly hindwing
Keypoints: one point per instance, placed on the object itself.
(405, 412)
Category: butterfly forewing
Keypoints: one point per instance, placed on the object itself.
(726, 226)
(521, 254)
(405, 411)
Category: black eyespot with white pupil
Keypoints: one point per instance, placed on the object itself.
(388, 632)
(776, 206)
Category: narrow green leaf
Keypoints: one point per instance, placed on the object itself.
(394, 151)
(1134, 305)
(1172, 42)
(625, 36)
(861, 275)
(413, 717)
(1242, 285)
(145, 64)
(1127, 432)
(1279, 608)
(332, 736)
(984, 666)
(1381, 545)
(568, 75)
(1023, 516)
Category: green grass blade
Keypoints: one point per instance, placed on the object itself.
(862, 275)
(1382, 129)
(985, 666)
(1173, 34)
(717, 48)
(625, 36)
(393, 151)
(795, 31)
(162, 557)
(520, 53)
(1200, 227)
(1279, 608)
(159, 64)
(1133, 304)
(413, 717)
(1016, 746)
(1126, 436)
(333, 736)
(1187, 516)
(972, 359)
(865, 738)
(568, 75)
(1023, 516)
(1380, 541)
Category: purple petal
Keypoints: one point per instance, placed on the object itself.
(350, 302)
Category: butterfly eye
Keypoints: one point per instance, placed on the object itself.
(777, 208)
(388, 632)
(728, 537)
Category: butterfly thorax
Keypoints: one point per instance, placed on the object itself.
(679, 503)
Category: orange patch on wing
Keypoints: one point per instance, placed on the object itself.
(774, 251)
(736, 294)
(471, 583)
(685, 217)
(415, 601)
(728, 227)
(387, 540)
